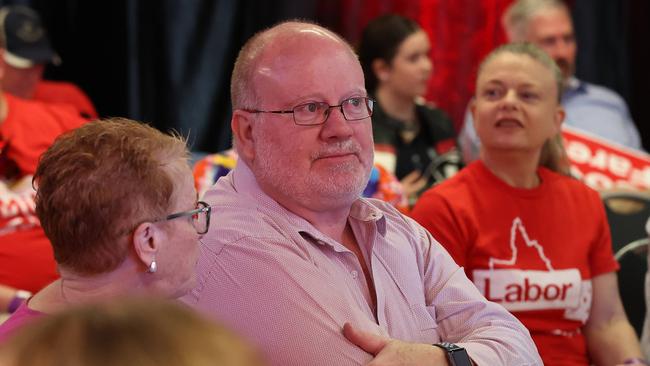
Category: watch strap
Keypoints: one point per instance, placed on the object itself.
(456, 355)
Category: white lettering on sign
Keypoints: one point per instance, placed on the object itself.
(519, 290)
(600, 159)
(603, 169)
(16, 204)
(16, 209)
(578, 152)
(641, 178)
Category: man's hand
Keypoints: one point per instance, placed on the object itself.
(392, 352)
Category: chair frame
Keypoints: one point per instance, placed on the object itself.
(632, 246)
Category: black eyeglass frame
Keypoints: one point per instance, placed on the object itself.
(205, 208)
(369, 102)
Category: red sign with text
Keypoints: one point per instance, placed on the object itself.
(603, 165)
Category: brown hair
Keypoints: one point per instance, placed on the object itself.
(553, 155)
(140, 332)
(380, 40)
(97, 183)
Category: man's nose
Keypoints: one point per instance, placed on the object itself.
(336, 126)
(559, 50)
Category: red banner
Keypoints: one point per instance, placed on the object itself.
(603, 165)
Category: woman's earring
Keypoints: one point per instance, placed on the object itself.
(153, 267)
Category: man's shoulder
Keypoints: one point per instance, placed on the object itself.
(51, 86)
(601, 93)
(41, 112)
(436, 120)
(431, 113)
(245, 215)
(568, 186)
(63, 92)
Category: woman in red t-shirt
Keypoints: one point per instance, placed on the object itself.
(529, 236)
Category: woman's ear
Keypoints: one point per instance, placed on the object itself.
(560, 114)
(472, 111)
(381, 69)
(146, 243)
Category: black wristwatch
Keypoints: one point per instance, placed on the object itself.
(456, 355)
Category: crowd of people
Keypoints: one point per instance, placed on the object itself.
(343, 227)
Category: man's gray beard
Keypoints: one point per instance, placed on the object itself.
(274, 173)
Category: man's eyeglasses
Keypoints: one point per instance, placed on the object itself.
(316, 113)
(200, 217)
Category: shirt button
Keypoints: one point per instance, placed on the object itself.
(354, 274)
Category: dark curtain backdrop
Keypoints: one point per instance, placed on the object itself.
(168, 62)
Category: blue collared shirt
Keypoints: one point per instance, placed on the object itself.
(591, 108)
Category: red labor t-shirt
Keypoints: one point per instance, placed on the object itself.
(26, 260)
(534, 251)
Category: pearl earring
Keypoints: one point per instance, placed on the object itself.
(153, 267)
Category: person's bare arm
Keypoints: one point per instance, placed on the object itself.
(610, 337)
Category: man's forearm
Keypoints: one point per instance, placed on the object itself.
(492, 347)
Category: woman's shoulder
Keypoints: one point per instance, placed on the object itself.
(569, 186)
(431, 110)
(435, 118)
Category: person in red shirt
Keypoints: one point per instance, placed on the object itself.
(26, 50)
(27, 129)
(529, 236)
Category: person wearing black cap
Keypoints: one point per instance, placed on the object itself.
(26, 49)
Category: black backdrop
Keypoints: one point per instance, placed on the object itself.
(168, 62)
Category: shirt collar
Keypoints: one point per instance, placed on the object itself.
(362, 210)
(573, 85)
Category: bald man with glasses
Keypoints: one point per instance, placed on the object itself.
(302, 266)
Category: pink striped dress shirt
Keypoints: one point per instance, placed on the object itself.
(275, 279)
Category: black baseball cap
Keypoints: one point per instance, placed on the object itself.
(25, 40)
